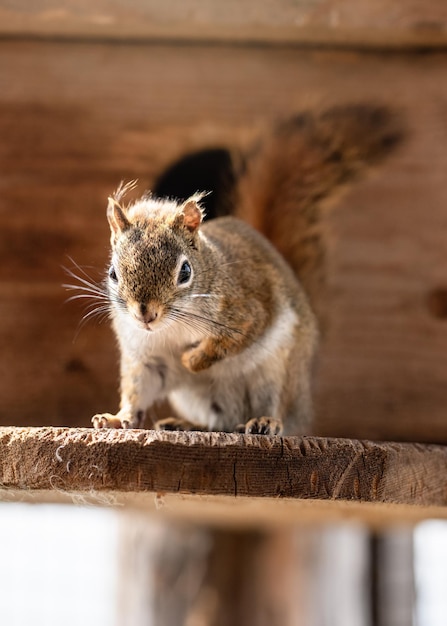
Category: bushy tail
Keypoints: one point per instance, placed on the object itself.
(288, 179)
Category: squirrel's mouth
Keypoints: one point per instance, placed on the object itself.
(149, 326)
(146, 317)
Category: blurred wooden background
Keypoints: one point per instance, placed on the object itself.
(113, 96)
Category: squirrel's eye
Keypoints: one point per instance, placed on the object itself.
(184, 275)
(112, 274)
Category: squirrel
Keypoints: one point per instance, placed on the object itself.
(208, 315)
(211, 314)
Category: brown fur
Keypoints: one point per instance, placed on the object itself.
(289, 179)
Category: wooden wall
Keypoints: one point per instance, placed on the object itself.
(361, 23)
(76, 117)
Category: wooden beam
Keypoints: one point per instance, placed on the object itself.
(366, 23)
(290, 478)
(75, 119)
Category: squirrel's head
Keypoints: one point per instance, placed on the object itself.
(155, 249)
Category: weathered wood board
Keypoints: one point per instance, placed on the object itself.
(253, 480)
(386, 23)
(77, 118)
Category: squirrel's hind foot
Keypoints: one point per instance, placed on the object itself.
(177, 423)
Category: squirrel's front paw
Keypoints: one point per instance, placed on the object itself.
(107, 420)
(196, 360)
(263, 426)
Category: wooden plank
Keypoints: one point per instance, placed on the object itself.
(69, 137)
(388, 23)
(383, 480)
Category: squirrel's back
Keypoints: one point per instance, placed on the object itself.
(254, 253)
(257, 270)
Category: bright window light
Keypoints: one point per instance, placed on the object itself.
(58, 565)
(430, 559)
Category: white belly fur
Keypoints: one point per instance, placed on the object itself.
(225, 384)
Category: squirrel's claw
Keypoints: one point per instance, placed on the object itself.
(263, 426)
(107, 420)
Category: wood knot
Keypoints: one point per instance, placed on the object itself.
(75, 366)
(437, 302)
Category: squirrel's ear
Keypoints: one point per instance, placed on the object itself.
(192, 214)
(117, 220)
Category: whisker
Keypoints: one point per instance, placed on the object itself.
(89, 294)
(189, 323)
(101, 315)
(204, 324)
(79, 267)
(218, 324)
(84, 284)
(99, 307)
(87, 290)
(208, 322)
(234, 262)
(97, 312)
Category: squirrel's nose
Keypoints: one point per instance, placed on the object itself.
(148, 314)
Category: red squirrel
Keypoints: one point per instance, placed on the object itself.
(211, 315)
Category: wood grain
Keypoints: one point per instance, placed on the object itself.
(77, 118)
(385, 23)
(136, 463)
